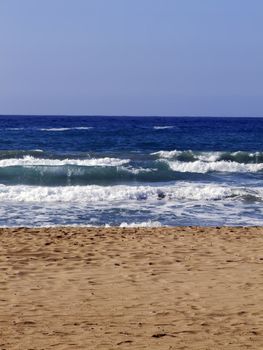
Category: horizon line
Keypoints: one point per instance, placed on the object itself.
(126, 116)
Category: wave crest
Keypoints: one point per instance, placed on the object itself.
(202, 167)
(163, 127)
(106, 194)
(32, 161)
(66, 129)
(189, 155)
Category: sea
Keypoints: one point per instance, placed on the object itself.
(130, 171)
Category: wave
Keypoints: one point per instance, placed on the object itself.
(123, 193)
(78, 175)
(220, 166)
(83, 127)
(32, 161)
(202, 167)
(53, 129)
(190, 156)
(30, 170)
(66, 129)
(163, 127)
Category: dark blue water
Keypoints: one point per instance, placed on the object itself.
(147, 171)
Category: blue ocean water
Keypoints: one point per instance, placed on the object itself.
(130, 171)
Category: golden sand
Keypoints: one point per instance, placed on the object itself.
(165, 288)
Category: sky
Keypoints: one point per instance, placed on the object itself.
(131, 57)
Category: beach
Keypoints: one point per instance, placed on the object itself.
(131, 288)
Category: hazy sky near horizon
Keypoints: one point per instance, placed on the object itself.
(131, 57)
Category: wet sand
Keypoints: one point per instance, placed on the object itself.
(176, 288)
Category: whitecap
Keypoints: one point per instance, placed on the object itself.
(205, 156)
(32, 161)
(163, 127)
(202, 167)
(83, 127)
(211, 156)
(55, 129)
(167, 154)
(66, 129)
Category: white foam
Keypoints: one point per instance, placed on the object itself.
(211, 156)
(83, 128)
(162, 127)
(123, 193)
(167, 154)
(32, 161)
(142, 224)
(219, 166)
(79, 194)
(140, 170)
(54, 129)
(204, 156)
(66, 129)
(208, 156)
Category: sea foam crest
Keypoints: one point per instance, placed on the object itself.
(32, 161)
(217, 166)
(163, 127)
(167, 154)
(66, 129)
(121, 193)
(188, 155)
(142, 224)
(54, 129)
(212, 156)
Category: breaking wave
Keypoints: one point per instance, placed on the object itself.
(204, 162)
(94, 193)
(39, 168)
(202, 167)
(32, 161)
(190, 156)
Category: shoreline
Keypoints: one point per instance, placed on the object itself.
(176, 228)
(185, 287)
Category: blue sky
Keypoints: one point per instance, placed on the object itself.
(131, 57)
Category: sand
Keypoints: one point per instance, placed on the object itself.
(176, 288)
